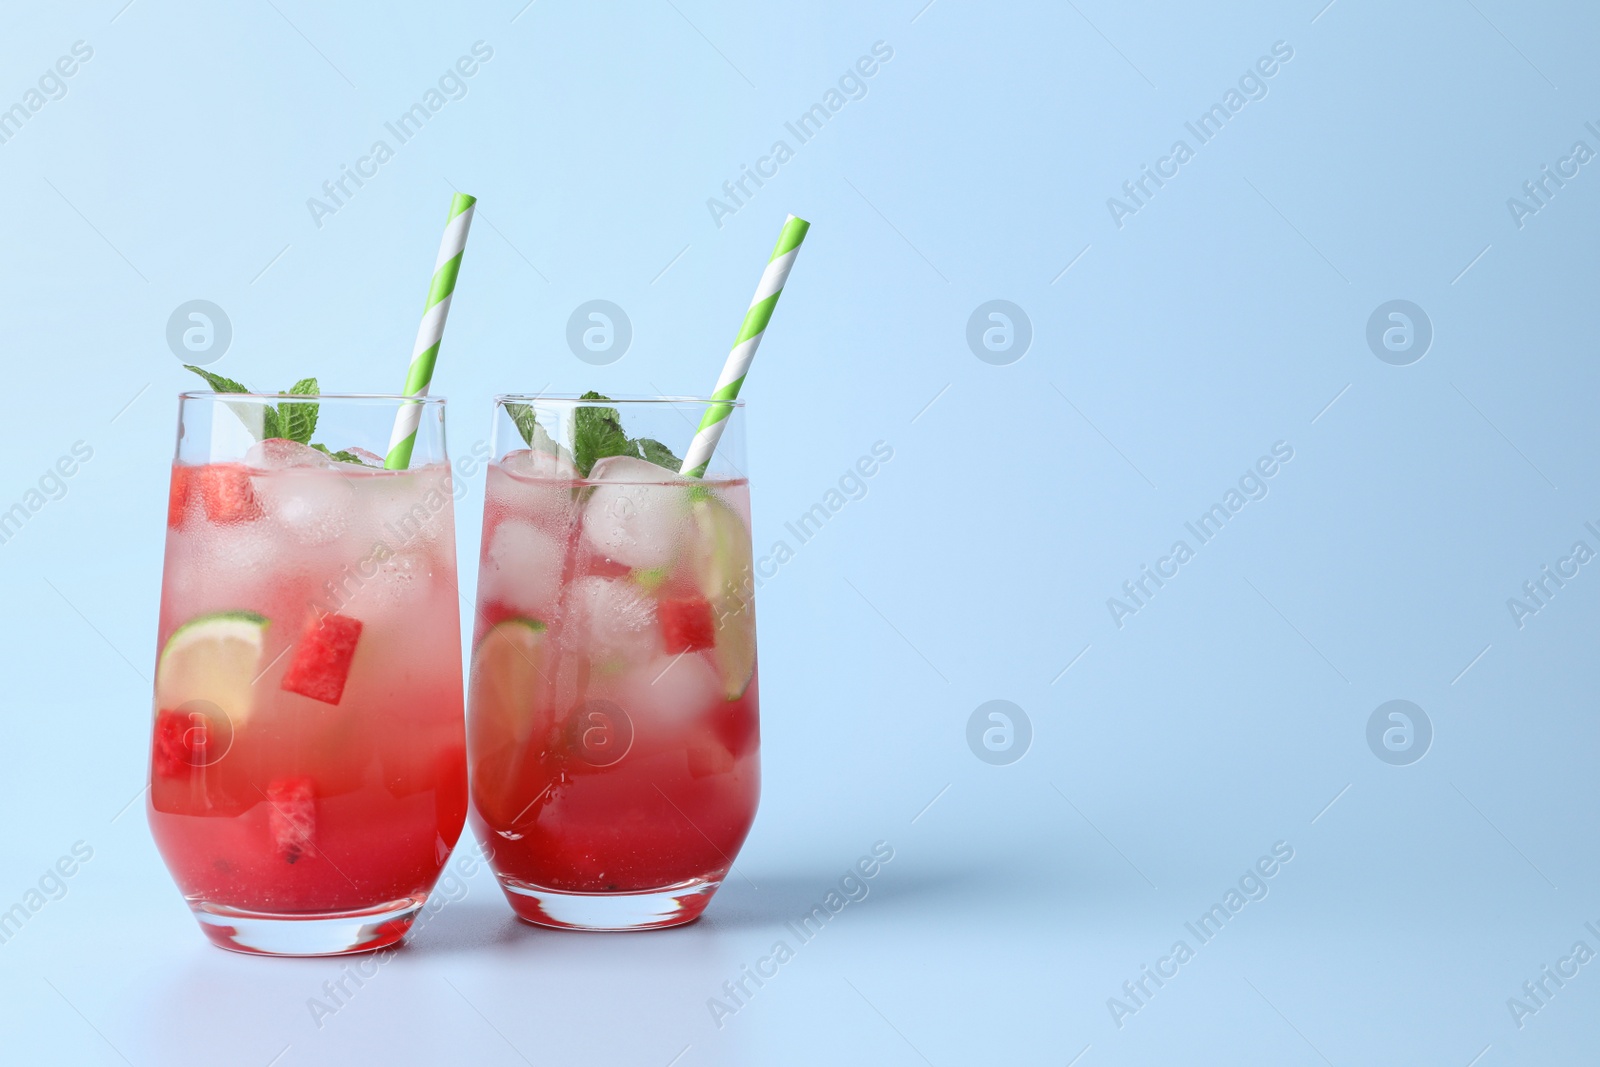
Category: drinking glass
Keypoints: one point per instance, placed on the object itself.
(612, 712)
(308, 762)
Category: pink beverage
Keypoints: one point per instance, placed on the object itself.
(308, 771)
(613, 731)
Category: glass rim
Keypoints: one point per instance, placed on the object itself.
(394, 398)
(501, 399)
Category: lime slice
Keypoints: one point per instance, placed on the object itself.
(509, 668)
(213, 658)
(725, 573)
(650, 579)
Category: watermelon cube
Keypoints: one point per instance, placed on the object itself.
(321, 662)
(226, 492)
(708, 759)
(292, 817)
(686, 624)
(180, 743)
(178, 496)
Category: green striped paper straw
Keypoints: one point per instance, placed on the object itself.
(744, 347)
(426, 351)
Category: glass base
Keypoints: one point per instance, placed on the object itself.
(651, 909)
(334, 933)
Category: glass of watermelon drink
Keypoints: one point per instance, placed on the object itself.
(308, 764)
(612, 710)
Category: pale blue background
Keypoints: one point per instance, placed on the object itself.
(1223, 317)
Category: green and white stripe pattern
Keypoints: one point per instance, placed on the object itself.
(429, 334)
(744, 348)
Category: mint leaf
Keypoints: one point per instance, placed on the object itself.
(596, 434)
(298, 421)
(533, 433)
(218, 383)
(522, 415)
(341, 456)
(656, 452)
(270, 423)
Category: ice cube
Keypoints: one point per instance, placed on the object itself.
(222, 568)
(366, 459)
(632, 469)
(399, 577)
(522, 569)
(533, 485)
(533, 463)
(638, 515)
(276, 453)
(404, 507)
(616, 619)
(670, 690)
(312, 505)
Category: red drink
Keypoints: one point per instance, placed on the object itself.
(613, 729)
(308, 773)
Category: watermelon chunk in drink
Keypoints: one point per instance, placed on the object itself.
(321, 662)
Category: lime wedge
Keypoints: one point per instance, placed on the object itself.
(213, 658)
(725, 573)
(649, 579)
(509, 668)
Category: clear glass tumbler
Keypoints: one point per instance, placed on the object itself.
(613, 729)
(308, 763)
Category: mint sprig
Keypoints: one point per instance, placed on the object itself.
(596, 433)
(291, 420)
